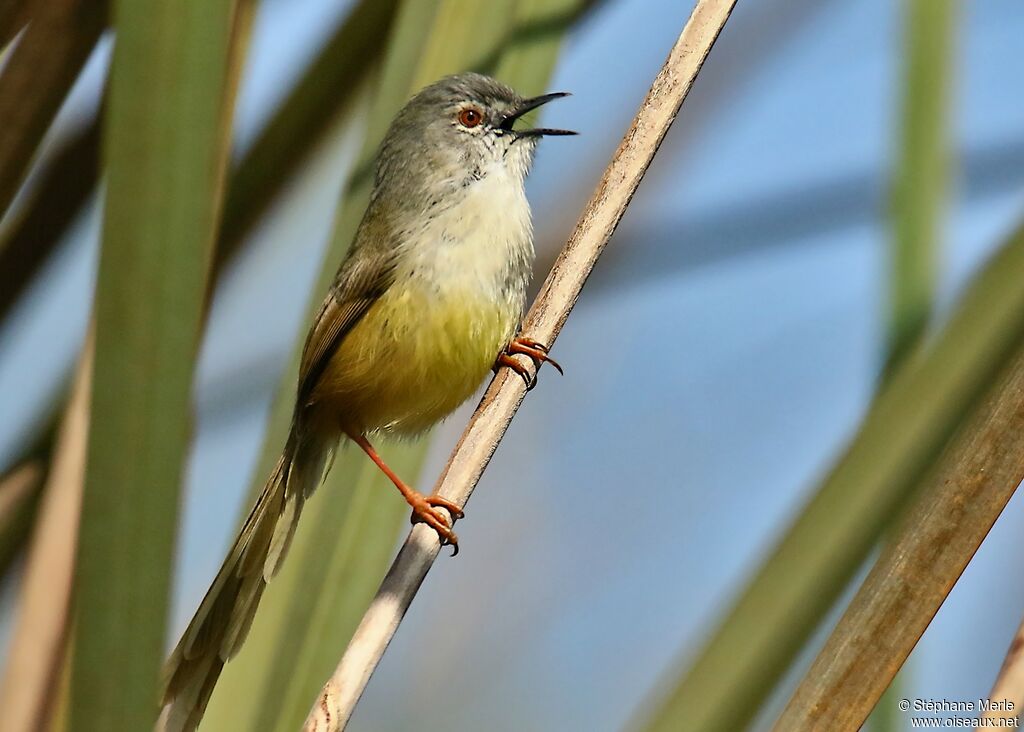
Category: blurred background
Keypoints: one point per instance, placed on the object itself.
(726, 348)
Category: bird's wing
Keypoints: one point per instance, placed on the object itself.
(362, 279)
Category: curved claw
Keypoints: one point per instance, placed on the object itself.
(425, 510)
(453, 508)
(528, 378)
(535, 350)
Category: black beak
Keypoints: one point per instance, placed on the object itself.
(528, 106)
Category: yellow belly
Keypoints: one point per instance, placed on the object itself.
(413, 358)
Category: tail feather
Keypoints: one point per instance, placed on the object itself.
(225, 615)
(282, 538)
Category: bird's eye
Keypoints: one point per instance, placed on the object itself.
(470, 117)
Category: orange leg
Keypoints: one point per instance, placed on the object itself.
(424, 508)
(528, 347)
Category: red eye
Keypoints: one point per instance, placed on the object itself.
(470, 117)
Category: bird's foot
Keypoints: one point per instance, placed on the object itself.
(536, 350)
(425, 510)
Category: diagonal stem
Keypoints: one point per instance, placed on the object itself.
(335, 704)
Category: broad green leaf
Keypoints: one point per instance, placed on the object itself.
(165, 153)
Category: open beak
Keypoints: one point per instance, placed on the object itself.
(528, 106)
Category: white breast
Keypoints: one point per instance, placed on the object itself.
(479, 244)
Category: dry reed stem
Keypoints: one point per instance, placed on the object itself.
(40, 631)
(335, 704)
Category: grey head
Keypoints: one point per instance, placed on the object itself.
(454, 132)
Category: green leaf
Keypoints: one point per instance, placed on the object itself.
(342, 549)
(922, 176)
(165, 152)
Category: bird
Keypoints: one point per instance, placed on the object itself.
(426, 303)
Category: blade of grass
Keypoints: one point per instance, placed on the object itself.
(956, 505)
(355, 517)
(887, 715)
(165, 152)
(336, 702)
(37, 78)
(913, 418)
(36, 655)
(922, 174)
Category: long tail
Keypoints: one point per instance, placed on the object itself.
(223, 619)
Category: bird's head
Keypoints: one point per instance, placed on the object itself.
(465, 123)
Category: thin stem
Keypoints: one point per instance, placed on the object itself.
(335, 704)
(38, 646)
